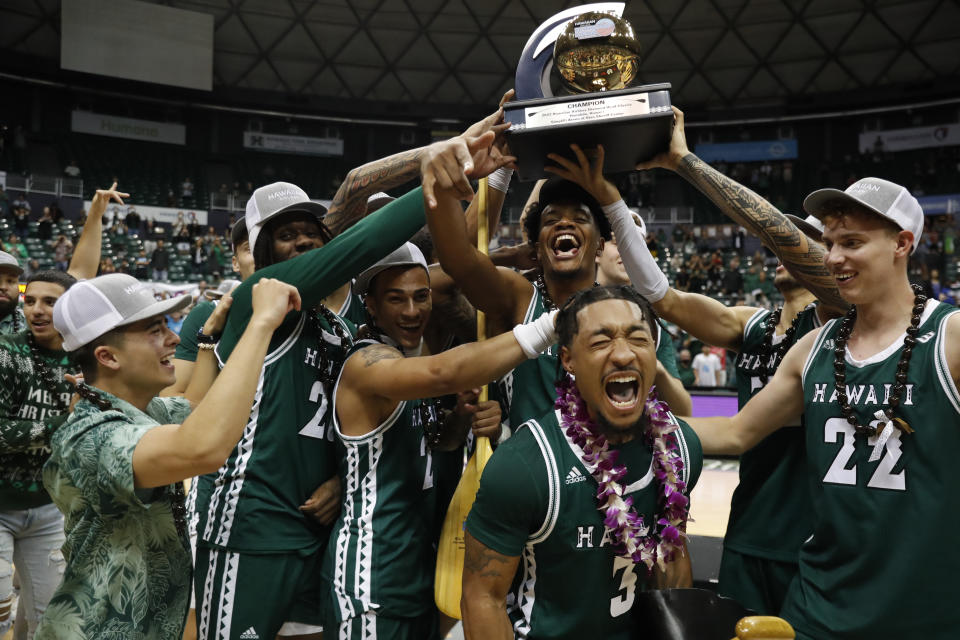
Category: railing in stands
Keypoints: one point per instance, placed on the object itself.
(49, 185)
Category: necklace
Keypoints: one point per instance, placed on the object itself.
(541, 286)
(772, 356)
(430, 411)
(840, 370)
(43, 372)
(328, 373)
(661, 540)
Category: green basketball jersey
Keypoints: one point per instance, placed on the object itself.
(881, 563)
(537, 500)
(381, 552)
(287, 449)
(353, 310)
(529, 391)
(770, 513)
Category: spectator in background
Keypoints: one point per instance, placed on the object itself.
(45, 225)
(56, 213)
(62, 249)
(175, 321)
(132, 221)
(21, 219)
(706, 365)
(685, 368)
(160, 262)
(180, 225)
(186, 189)
(16, 248)
(193, 224)
(198, 256)
(732, 282)
(182, 242)
(4, 204)
(106, 266)
(72, 170)
(215, 258)
(210, 236)
(30, 268)
(141, 266)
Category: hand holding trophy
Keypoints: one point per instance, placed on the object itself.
(573, 86)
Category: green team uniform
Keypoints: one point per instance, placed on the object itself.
(536, 378)
(770, 513)
(353, 309)
(381, 555)
(880, 563)
(287, 449)
(538, 501)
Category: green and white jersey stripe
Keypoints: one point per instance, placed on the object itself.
(381, 554)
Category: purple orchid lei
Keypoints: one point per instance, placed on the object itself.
(661, 541)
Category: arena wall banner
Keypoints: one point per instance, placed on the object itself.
(754, 151)
(943, 135)
(939, 205)
(300, 145)
(114, 126)
(159, 215)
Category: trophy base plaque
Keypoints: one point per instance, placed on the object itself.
(632, 124)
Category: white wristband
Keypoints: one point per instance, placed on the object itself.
(535, 337)
(500, 179)
(644, 273)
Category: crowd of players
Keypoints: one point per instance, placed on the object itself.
(324, 406)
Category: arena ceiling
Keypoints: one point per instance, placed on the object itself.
(715, 53)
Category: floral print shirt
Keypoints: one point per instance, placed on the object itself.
(128, 571)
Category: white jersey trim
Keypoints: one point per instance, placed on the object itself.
(943, 367)
(894, 346)
(381, 428)
(553, 484)
(753, 320)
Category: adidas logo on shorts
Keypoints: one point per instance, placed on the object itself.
(575, 476)
(250, 634)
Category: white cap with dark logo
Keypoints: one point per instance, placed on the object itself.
(7, 261)
(408, 255)
(91, 308)
(274, 199)
(886, 199)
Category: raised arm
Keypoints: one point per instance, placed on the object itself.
(206, 369)
(169, 453)
(800, 255)
(780, 401)
(703, 317)
(350, 202)
(86, 255)
(382, 371)
(498, 292)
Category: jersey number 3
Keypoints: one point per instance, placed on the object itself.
(838, 429)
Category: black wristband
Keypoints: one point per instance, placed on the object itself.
(203, 338)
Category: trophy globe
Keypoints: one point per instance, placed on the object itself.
(597, 52)
(574, 84)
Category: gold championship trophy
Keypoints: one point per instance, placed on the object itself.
(573, 85)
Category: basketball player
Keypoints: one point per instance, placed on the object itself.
(380, 556)
(256, 539)
(537, 516)
(879, 396)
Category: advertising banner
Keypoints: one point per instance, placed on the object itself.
(754, 151)
(943, 135)
(301, 145)
(116, 127)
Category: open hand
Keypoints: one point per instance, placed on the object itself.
(446, 165)
(586, 174)
(670, 159)
(102, 197)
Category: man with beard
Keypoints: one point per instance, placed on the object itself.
(33, 396)
(770, 510)
(11, 317)
(878, 392)
(589, 501)
(255, 530)
(386, 413)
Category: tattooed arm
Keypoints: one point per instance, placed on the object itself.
(486, 579)
(350, 202)
(800, 255)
